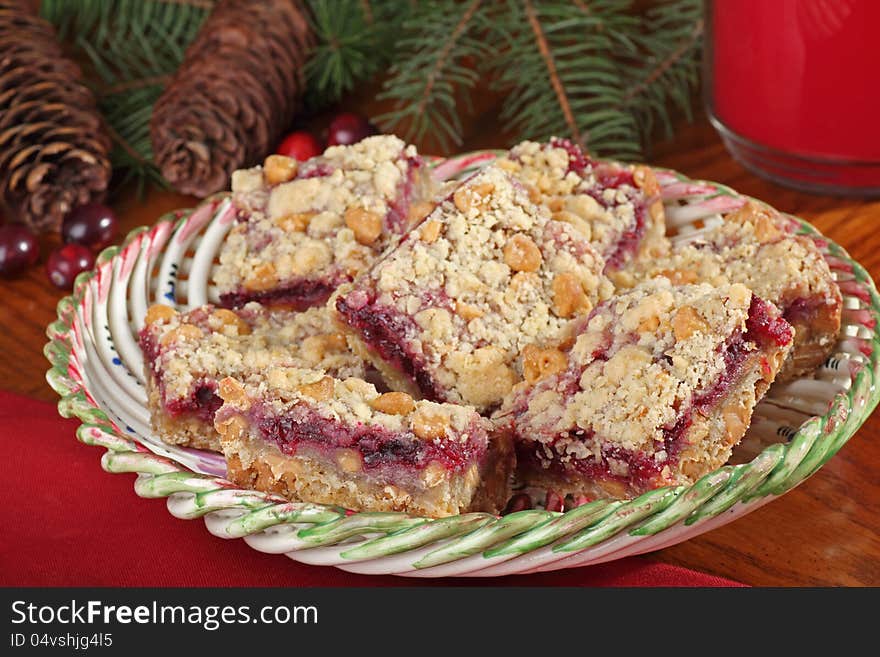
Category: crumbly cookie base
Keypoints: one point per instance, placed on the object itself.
(709, 443)
(258, 465)
(181, 431)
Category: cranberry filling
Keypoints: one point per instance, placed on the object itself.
(299, 295)
(763, 327)
(203, 403)
(643, 469)
(377, 446)
(382, 330)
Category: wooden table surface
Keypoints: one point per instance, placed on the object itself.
(826, 532)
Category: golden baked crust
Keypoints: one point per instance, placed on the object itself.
(486, 273)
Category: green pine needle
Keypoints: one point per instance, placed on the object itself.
(355, 41)
(439, 43)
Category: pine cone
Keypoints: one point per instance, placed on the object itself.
(53, 147)
(235, 94)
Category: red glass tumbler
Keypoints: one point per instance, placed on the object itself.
(793, 87)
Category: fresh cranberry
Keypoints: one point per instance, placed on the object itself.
(300, 145)
(67, 262)
(19, 249)
(349, 128)
(93, 225)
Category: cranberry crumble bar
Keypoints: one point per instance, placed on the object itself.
(616, 207)
(657, 387)
(304, 228)
(187, 354)
(446, 312)
(310, 437)
(754, 247)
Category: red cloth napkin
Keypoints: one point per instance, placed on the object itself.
(67, 522)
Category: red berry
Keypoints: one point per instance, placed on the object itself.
(19, 249)
(66, 262)
(300, 145)
(93, 225)
(349, 128)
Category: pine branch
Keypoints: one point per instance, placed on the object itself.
(560, 73)
(558, 87)
(432, 71)
(132, 48)
(668, 73)
(355, 41)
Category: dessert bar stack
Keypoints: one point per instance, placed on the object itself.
(384, 342)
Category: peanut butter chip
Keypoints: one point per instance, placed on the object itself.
(686, 322)
(473, 196)
(418, 211)
(279, 169)
(367, 226)
(159, 312)
(430, 231)
(263, 278)
(295, 222)
(466, 311)
(229, 318)
(656, 211)
(181, 333)
(568, 295)
(232, 428)
(232, 392)
(393, 403)
(541, 362)
(679, 276)
(534, 194)
(428, 426)
(522, 254)
(319, 390)
(765, 229)
(645, 179)
(507, 165)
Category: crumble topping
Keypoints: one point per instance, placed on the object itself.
(616, 208)
(209, 343)
(636, 363)
(327, 217)
(352, 401)
(487, 273)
